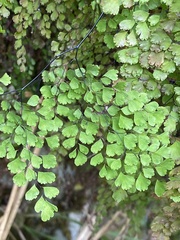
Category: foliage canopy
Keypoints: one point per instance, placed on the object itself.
(112, 103)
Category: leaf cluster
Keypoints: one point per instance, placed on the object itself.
(119, 112)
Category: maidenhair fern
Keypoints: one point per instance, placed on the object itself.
(114, 108)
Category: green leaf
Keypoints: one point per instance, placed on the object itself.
(160, 188)
(148, 172)
(49, 161)
(130, 55)
(154, 19)
(127, 24)
(5, 79)
(36, 161)
(170, 124)
(70, 131)
(125, 123)
(77, 113)
(131, 39)
(73, 154)
(46, 208)
(111, 6)
(92, 69)
(1, 90)
(112, 74)
(16, 165)
(19, 179)
(175, 6)
(164, 166)
(89, 113)
(140, 119)
(8, 127)
(120, 39)
(177, 90)
(64, 87)
(89, 97)
(11, 152)
(156, 159)
(135, 105)
(142, 183)
(5, 105)
(47, 112)
(30, 174)
(69, 143)
(30, 117)
(56, 124)
(131, 159)
(32, 193)
(107, 94)
(164, 138)
(154, 146)
(51, 77)
(130, 141)
(50, 7)
(114, 149)
(108, 39)
(97, 159)
(83, 149)
(140, 15)
(46, 91)
(79, 73)
(97, 146)
(33, 101)
(86, 138)
(46, 177)
(31, 138)
(104, 120)
(111, 137)
(125, 181)
(53, 141)
(103, 172)
(143, 142)
(114, 164)
(175, 150)
(48, 102)
(159, 75)
(142, 30)
(120, 98)
(151, 107)
(90, 127)
(111, 174)
(119, 195)
(145, 159)
(62, 110)
(112, 23)
(2, 151)
(80, 159)
(130, 169)
(4, 11)
(19, 130)
(164, 152)
(175, 199)
(113, 110)
(50, 192)
(74, 84)
(151, 119)
(54, 48)
(168, 66)
(101, 26)
(25, 154)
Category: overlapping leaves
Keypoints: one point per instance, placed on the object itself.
(116, 118)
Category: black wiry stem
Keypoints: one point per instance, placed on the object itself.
(76, 48)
